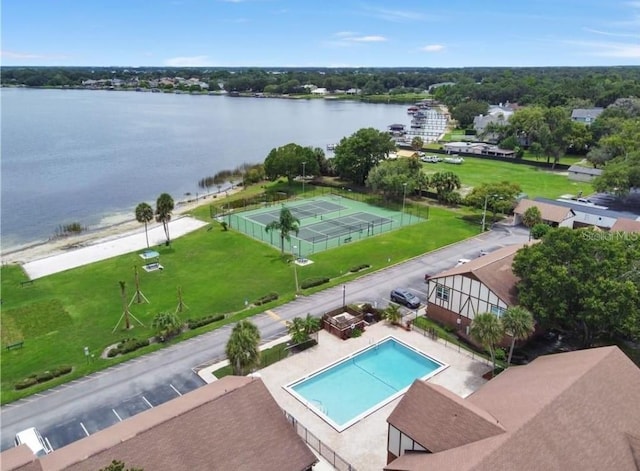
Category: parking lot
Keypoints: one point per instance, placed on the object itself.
(104, 415)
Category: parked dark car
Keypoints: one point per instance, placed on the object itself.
(404, 297)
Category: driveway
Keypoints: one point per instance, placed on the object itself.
(82, 407)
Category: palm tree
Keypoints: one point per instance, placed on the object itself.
(392, 314)
(417, 143)
(297, 330)
(164, 207)
(519, 324)
(166, 323)
(144, 214)
(285, 224)
(444, 183)
(488, 330)
(243, 347)
(125, 307)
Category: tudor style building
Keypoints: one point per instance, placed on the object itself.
(485, 284)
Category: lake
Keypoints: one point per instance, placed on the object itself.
(91, 156)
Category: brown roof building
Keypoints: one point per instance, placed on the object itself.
(554, 215)
(626, 225)
(230, 424)
(570, 411)
(484, 284)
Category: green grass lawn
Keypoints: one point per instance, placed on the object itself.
(534, 181)
(58, 315)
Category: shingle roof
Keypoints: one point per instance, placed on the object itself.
(233, 423)
(626, 225)
(581, 113)
(576, 410)
(585, 170)
(493, 270)
(549, 212)
(439, 420)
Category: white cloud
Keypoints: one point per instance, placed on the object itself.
(189, 61)
(432, 48)
(607, 33)
(366, 39)
(609, 49)
(344, 34)
(397, 16)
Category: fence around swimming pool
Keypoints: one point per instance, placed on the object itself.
(326, 222)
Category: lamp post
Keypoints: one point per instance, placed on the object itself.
(303, 175)
(404, 195)
(484, 211)
(295, 269)
(344, 295)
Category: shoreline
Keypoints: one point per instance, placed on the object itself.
(39, 250)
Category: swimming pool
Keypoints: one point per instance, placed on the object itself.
(354, 387)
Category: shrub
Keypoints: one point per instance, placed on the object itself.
(195, 323)
(25, 383)
(311, 282)
(357, 268)
(356, 333)
(112, 352)
(266, 299)
(46, 376)
(61, 370)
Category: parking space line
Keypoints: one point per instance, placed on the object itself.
(177, 392)
(119, 418)
(148, 403)
(85, 429)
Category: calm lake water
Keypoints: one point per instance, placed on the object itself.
(92, 156)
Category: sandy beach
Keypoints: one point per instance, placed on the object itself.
(69, 252)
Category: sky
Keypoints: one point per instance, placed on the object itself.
(311, 33)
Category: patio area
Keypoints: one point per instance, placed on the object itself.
(364, 445)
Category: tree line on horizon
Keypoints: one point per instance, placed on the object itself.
(545, 86)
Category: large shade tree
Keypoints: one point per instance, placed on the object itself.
(487, 329)
(582, 281)
(285, 224)
(291, 161)
(164, 208)
(396, 178)
(357, 154)
(519, 324)
(495, 197)
(242, 348)
(144, 214)
(444, 183)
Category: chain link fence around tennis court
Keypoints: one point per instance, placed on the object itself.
(325, 222)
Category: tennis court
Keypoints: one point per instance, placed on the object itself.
(325, 222)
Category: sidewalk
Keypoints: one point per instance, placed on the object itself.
(108, 247)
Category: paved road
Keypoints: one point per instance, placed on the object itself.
(82, 407)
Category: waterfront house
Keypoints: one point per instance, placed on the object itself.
(568, 411)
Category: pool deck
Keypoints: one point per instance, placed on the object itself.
(364, 444)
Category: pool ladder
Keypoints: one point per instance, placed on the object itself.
(319, 405)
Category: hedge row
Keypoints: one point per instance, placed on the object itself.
(195, 323)
(266, 299)
(42, 377)
(311, 282)
(126, 346)
(357, 268)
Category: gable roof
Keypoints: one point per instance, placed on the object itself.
(585, 170)
(233, 423)
(576, 410)
(626, 225)
(493, 270)
(583, 113)
(439, 420)
(549, 212)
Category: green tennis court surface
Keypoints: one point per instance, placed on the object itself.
(325, 222)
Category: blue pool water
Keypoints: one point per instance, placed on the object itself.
(356, 386)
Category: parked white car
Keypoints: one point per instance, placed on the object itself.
(454, 160)
(432, 159)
